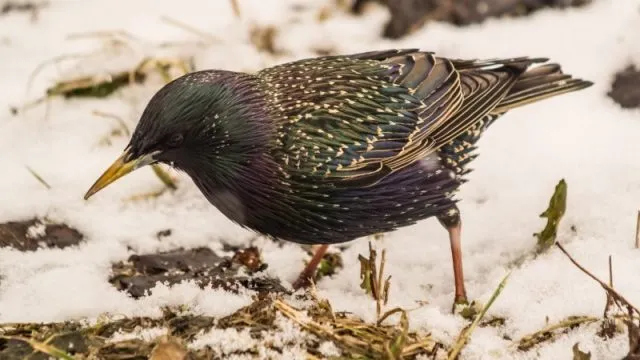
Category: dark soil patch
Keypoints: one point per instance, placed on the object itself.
(34, 234)
(14, 7)
(409, 15)
(142, 272)
(625, 89)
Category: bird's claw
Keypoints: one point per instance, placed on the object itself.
(460, 303)
(303, 281)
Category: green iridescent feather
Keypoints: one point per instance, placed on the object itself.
(364, 116)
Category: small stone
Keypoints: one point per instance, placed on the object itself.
(33, 234)
(625, 89)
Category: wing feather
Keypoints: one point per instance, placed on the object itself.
(356, 118)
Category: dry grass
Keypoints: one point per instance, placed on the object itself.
(373, 280)
(551, 332)
(465, 334)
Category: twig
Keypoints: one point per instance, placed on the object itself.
(394, 347)
(54, 60)
(609, 303)
(38, 69)
(384, 294)
(117, 34)
(465, 334)
(189, 28)
(387, 314)
(638, 231)
(614, 294)
(147, 195)
(610, 272)
(109, 34)
(112, 39)
(236, 8)
(39, 178)
(623, 304)
(123, 125)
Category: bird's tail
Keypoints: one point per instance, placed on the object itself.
(538, 83)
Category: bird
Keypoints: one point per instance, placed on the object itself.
(329, 149)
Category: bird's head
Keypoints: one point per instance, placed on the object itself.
(197, 120)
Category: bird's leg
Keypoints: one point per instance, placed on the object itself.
(456, 254)
(451, 221)
(309, 271)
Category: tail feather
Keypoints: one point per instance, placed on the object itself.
(539, 83)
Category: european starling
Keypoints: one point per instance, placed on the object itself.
(330, 149)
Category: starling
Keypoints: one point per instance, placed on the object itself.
(329, 149)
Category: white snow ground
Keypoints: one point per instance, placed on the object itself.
(583, 137)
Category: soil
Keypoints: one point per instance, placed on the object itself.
(409, 15)
(34, 234)
(625, 89)
(140, 273)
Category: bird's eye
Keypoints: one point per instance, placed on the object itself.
(175, 140)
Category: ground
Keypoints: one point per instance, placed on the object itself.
(89, 267)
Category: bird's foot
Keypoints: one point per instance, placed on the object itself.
(303, 281)
(470, 311)
(460, 303)
(309, 273)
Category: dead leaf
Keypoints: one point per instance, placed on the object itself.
(169, 349)
(554, 213)
(579, 354)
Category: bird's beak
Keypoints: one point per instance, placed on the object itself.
(121, 167)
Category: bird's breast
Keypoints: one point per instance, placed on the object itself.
(335, 215)
(308, 211)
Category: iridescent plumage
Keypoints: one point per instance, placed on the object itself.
(371, 142)
(329, 149)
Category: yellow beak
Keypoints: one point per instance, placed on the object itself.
(118, 169)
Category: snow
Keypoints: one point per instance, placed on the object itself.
(226, 341)
(583, 137)
(142, 334)
(36, 230)
(328, 349)
(288, 337)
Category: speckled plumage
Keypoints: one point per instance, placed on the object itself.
(330, 149)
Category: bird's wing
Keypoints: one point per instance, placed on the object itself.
(358, 118)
